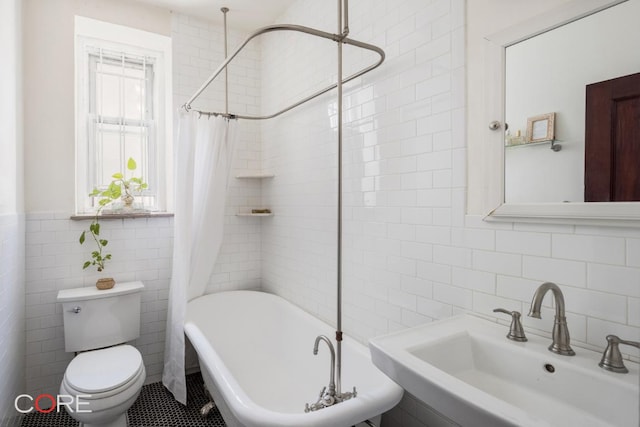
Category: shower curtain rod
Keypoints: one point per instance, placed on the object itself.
(340, 38)
(335, 395)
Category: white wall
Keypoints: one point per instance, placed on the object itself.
(12, 309)
(49, 88)
(12, 293)
(411, 255)
(11, 169)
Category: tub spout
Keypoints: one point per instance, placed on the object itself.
(328, 395)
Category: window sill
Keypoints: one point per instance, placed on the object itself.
(121, 215)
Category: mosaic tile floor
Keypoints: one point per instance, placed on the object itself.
(154, 408)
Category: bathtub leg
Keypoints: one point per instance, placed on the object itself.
(206, 409)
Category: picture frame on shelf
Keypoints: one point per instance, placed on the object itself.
(541, 128)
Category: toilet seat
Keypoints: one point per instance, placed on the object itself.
(105, 372)
(106, 408)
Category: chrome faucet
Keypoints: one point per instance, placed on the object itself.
(328, 395)
(560, 334)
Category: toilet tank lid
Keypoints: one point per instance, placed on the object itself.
(91, 292)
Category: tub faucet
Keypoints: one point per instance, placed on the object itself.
(328, 395)
(560, 334)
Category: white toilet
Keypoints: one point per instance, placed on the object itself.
(106, 376)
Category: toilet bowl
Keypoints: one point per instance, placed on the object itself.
(106, 383)
(106, 376)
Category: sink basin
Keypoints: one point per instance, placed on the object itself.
(465, 368)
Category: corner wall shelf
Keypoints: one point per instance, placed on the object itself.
(254, 175)
(253, 214)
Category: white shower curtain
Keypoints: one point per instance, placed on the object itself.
(203, 158)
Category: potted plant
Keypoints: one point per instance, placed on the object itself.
(120, 188)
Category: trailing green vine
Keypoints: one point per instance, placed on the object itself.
(112, 193)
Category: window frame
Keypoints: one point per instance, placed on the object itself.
(91, 36)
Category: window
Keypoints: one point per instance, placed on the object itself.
(121, 118)
(123, 111)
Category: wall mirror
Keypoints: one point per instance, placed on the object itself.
(537, 77)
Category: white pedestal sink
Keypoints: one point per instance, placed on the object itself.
(465, 368)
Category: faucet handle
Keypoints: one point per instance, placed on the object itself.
(516, 332)
(611, 358)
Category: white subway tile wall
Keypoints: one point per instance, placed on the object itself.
(410, 254)
(142, 250)
(12, 303)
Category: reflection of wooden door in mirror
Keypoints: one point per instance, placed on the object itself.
(612, 140)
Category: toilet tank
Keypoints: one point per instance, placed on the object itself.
(94, 318)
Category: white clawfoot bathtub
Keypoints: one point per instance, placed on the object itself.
(256, 357)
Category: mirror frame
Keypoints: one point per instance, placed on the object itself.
(591, 213)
